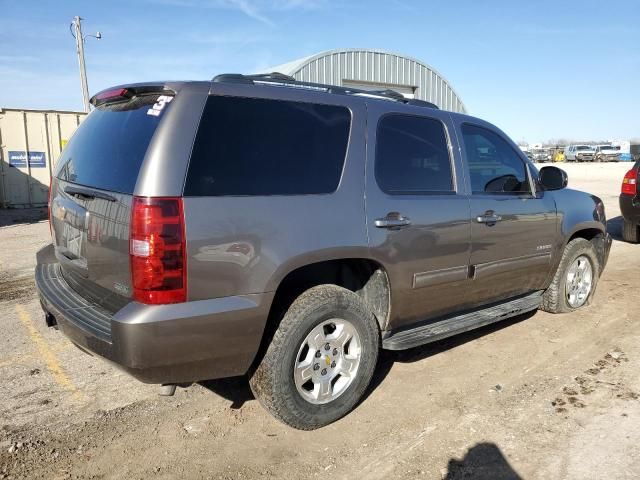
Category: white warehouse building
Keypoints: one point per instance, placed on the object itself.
(375, 70)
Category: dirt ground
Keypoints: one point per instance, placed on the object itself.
(544, 396)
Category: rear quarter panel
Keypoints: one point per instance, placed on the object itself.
(248, 244)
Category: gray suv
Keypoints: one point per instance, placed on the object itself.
(288, 231)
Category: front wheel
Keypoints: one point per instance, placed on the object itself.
(575, 280)
(320, 360)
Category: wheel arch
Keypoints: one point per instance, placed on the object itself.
(361, 274)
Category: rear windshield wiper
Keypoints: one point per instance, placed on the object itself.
(88, 194)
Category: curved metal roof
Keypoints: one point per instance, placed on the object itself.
(378, 68)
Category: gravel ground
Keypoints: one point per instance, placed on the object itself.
(539, 397)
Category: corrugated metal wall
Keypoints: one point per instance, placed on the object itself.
(381, 68)
(30, 143)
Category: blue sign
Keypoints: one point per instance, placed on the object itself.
(19, 159)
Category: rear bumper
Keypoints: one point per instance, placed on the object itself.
(630, 208)
(177, 343)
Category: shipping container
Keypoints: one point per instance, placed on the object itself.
(30, 144)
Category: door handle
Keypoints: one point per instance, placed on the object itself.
(392, 220)
(488, 217)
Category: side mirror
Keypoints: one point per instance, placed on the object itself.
(552, 178)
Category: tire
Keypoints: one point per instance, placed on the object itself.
(556, 297)
(630, 232)
(273, 383)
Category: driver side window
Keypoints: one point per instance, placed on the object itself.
(494, 166)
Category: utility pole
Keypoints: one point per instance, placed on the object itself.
(76, 31)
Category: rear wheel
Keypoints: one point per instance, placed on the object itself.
(630, 232)
(575, 280)
(320, 360)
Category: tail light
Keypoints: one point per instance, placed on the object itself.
(158, 251)
(630, 182)
(113, 95)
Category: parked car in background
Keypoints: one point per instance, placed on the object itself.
(630, 204)
(288, 231)
(606, 153)
(579, 153)
(540, 155)
(626, 157)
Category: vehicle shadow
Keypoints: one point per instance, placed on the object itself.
(236, 389)
(614, 227)
(483, 461)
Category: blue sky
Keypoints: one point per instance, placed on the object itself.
(537, 69)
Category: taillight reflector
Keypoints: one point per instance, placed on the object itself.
(157, 249)
(630, 182)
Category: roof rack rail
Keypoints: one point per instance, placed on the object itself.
(263, 77)
(387, 92)
(421, 103)
(285, 80)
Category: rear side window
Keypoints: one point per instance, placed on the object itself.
(494, 167)
(107, 150)
(412, 156)
(252, 146)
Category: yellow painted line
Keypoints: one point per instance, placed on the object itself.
(47, 354)
(27, 357)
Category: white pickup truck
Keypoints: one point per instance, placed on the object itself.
(579, 153)
(607, 153)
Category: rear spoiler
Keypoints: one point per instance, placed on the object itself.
(125, 93)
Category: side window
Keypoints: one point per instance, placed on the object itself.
(494, 167)
(253, 146)
(412, 156)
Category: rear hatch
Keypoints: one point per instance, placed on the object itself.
(92, 192)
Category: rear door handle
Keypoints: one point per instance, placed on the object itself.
(488, 217)
(392, 221)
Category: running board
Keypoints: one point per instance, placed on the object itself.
(435, 331)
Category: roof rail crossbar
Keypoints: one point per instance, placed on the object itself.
(281, 79)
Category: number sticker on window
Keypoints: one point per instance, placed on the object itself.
(157, 108)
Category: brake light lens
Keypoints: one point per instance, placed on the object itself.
(157, 250)
(110, 96)
(630, 182)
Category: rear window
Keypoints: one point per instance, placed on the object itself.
(412, 156)
(108, 148)
(251, 146)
